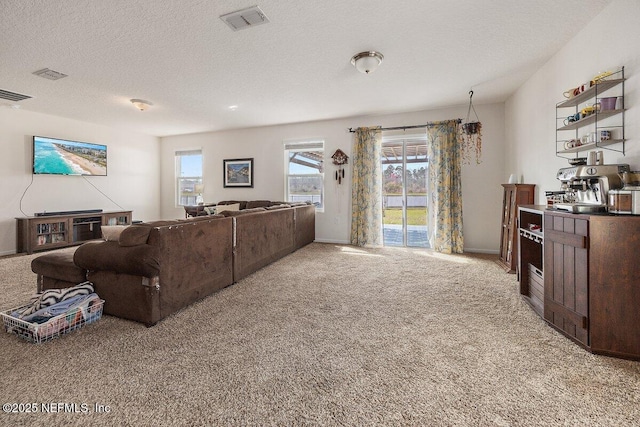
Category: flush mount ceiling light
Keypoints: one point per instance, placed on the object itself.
(367, 62)
(141, 104)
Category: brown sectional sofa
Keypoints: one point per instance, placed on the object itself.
(266, 234)
(155, 269)
(261, 238)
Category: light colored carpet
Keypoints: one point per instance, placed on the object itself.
(330, 335)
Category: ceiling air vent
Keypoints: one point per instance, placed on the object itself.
(245, 18)
(12, 96)
(49, 74)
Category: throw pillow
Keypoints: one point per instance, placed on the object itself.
(231, 208)
(111, 233)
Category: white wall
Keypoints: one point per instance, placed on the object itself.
(482, 194)
(610, 40)
(132, 181)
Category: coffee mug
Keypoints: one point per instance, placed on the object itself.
(601, 76)
(583, 87)
(605, 135)
(587, 111)
(569, 93)
(572, 143)
(608, 103)
(572, 118)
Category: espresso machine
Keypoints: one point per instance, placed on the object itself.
(586, 187)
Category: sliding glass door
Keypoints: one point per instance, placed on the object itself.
(404, 192)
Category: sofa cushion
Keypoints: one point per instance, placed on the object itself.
(140, 260)
(187, 220)
(59, 266)
(243, 203)
(136, 234)
(273, 207)
(242, 212)
(163, 222)
(112, 232)
(258, 204)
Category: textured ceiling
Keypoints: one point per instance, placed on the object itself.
(179, 55)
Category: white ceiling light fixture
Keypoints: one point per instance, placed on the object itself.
(141, 104)
(367, 62)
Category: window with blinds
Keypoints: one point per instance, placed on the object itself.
(189, 186)
(304, 172)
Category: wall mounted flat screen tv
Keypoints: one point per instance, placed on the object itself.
(62, 157)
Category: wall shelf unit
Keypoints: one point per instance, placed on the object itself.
(611, 120)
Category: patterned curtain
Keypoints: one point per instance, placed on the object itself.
(445, 187)
(366, 192)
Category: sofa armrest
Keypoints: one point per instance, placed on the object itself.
(140, 260)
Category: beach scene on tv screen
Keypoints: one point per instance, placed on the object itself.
(54, 156)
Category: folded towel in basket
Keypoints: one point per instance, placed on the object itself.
(53, 296)
(44, 314)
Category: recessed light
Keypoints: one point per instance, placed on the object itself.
(233, 107)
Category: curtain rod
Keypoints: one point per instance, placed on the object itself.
(352, 130)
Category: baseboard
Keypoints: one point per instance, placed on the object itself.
(337, 242)
(482, 251)
(470, 250)
(5, 253)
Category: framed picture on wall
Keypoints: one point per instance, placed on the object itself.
(238, 173)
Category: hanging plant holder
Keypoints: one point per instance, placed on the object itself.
(469, 127)
(470, 135)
